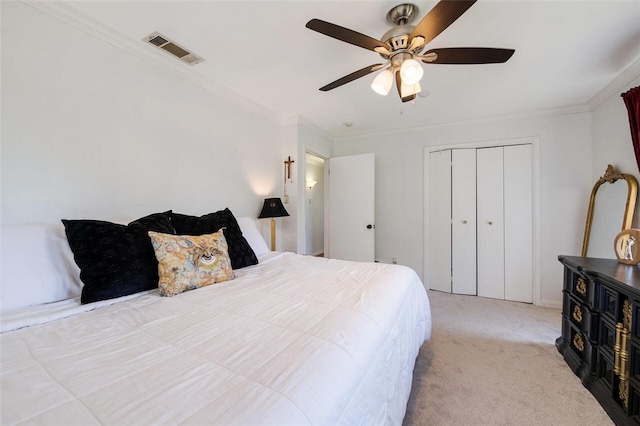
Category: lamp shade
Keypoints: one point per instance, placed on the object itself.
(382, 83)
(411, 71)
(272, 208)
(408, 90)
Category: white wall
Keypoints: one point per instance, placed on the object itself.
(612, 139)
(92, 131)
(565, 184)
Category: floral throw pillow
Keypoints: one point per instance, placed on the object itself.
(187, 262)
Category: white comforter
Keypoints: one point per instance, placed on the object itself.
(294, 340)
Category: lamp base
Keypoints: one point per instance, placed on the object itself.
(273, 234)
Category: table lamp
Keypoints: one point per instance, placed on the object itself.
(273, 208)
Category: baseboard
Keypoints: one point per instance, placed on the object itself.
(551, 304)
(543, 303)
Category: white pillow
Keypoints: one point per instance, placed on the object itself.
(36, 266)
(253, 236)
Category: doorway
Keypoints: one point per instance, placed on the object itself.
(314, 205)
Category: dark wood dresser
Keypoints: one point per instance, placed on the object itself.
(601, 332)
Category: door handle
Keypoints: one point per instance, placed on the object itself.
(370, 226)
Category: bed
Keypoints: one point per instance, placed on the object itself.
(292, 339)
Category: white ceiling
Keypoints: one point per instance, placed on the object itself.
(261, 53)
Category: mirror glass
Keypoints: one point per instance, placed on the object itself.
(606, 223)
(611, 209)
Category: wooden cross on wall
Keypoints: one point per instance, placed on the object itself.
(287, 168)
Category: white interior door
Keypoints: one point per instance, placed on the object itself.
(439, 256)
(490, 222)
(352, 208)
(518, 224)
(463, 221)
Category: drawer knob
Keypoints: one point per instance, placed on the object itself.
(581, 286)
(578, 343)
(577, 314)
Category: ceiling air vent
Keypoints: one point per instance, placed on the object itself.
(174, 49)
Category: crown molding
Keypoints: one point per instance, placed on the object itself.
(300, 121)
(617, 85)
(65, 13)
(315, 129)
(575, 109)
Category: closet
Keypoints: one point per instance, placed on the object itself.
(481, 222)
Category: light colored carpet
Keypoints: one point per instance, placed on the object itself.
(492, 362)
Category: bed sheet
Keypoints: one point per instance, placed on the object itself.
(293, 340)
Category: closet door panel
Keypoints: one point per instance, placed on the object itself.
(440, 221)
(490, 222)
(518, 224)
(463, 221)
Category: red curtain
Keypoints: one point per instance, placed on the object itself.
(632, 101)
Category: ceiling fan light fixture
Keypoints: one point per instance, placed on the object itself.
(383, 82)
(411, 71)
(407, 90)
(402, 47)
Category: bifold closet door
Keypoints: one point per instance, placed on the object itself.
(463, 221)
(440, 221)
(490, 222)
(505, 223)
(518, 224)
(481, 222)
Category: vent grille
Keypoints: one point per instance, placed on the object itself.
(174, 49)
(158, 41)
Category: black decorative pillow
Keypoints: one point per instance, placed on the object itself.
(115, 260)
(157, 222)
(240, 251)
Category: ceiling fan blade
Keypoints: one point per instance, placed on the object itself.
(345, 34)
(439, 18)
(468, 55)
(408, 98)
(399, 86)
(353, 76)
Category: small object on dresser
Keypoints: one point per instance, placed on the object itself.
(626, 246)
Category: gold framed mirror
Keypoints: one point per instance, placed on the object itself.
(605, 206)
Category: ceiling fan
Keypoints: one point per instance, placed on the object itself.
(402, 47)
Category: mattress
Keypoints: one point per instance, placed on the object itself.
(293, 340)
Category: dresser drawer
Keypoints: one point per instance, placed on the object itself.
(580, 345)
(608, 304)
(635, 319)
(580, 286)
(634, 400)
(581, 316)
(607, 337)
(605, 368)
(634, 360)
